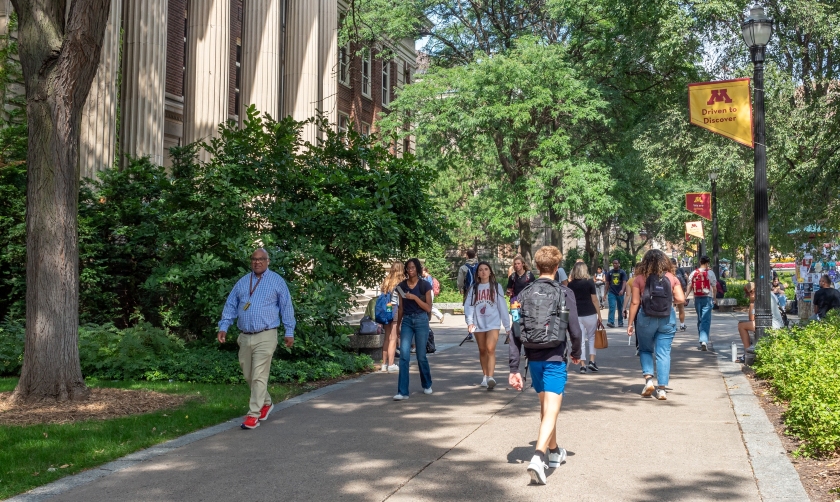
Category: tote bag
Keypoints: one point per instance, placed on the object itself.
(601, 336)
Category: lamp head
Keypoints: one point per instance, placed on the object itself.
(757, 28)
(713, 175)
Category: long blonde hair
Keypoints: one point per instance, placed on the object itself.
(579, 271)
(394, 277)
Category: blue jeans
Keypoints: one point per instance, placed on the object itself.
(616, 301)
(414, 327)
(782, 299)
(655, 334)
(703, 307)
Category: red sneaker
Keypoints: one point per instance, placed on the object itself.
(251, 423)
(266, 410)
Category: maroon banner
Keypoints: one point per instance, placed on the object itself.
(699, 204)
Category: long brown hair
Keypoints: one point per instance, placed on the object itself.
(525, 265)
(395, 276)
(655, 262)
(492, 281)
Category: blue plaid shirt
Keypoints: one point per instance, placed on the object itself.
(270, 300)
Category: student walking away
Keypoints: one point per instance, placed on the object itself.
(600, 283)
(617, 280)
(485, 310)
(656, 290)
(517, 281)
(552, 337)
(683, 280)
(778, 291)
(628, 293)
(387, 307)
(720, 292)
(748, 326)
(588, 312)
(257, 303)
(825, 299)
(466, 278)
(415, 304)
(435, 291)
(703, 282)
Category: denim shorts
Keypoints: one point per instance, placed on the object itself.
(548, 376)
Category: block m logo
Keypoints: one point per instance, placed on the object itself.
(717, 96)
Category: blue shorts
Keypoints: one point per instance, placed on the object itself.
(548, 376)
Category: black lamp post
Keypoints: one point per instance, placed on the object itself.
(757, 30)
(713, 176)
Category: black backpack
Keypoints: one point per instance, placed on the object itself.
(544, 317)
(682, 278)
(658, 297)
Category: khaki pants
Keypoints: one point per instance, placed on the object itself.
(255, 353)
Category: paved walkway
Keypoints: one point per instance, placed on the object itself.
(464, 443)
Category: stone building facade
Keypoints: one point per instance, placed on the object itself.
(189, 65)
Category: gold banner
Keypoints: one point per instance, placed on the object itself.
(693, 229)
(724, 108)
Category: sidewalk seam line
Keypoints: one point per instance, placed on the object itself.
(479, 426)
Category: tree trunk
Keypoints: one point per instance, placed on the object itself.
(556, 230)
(605, 235)
(747, 263)
(589, 247)
(59, 56)
(525, 240)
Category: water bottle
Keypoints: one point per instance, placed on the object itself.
(734, 352)
(514, 311)
(389, 307)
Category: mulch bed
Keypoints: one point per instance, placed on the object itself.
(820, 477)
(102, 404)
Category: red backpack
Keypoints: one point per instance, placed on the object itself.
(701, 283)
(435, 286)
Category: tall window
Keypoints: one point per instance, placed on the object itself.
(238, 76)
(344, 64)
(386, 83)
(343, 123)
(366, 72)
(365, 129)
(406, 75)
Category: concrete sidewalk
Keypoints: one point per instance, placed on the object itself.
(465, 443)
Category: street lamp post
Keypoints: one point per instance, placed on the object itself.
(713, 176)
(757, 30)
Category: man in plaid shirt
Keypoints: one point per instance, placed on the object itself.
(257, 302)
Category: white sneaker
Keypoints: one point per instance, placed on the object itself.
(426, 391)
(484, 381)
(393, 368)
(555, 459)
(491, 382)
(661, 395)
(649, 387)
(536, 469)
(400, 397)
(384, 368)
(703, 346)
(442, 316)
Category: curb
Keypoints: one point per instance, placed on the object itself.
(68, 483)
(774, 474)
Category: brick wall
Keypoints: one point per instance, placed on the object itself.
(235, 34)
(175, 47)
(351, 101)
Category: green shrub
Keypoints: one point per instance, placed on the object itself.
(802, 365)
(108, 352)
(12, 338)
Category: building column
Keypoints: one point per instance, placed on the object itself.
(143, 79)
(261, 31)
(301, 82)
(328, 48)
(208, 66)
(99, 116)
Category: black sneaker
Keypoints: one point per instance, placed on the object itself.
(583, 369)
(682, 327)
(610, 325)
(593, 366)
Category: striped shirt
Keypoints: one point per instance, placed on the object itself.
(269, 301)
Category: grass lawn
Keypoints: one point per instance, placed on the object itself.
(27, 452)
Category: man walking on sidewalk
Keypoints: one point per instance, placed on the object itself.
(546, 319)
(703, 283)
(257, 302)
(617, 279)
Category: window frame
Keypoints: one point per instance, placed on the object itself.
(344, 66)
(386, 83)
(366, 72)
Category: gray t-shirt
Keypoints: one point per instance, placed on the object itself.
(561, 276)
